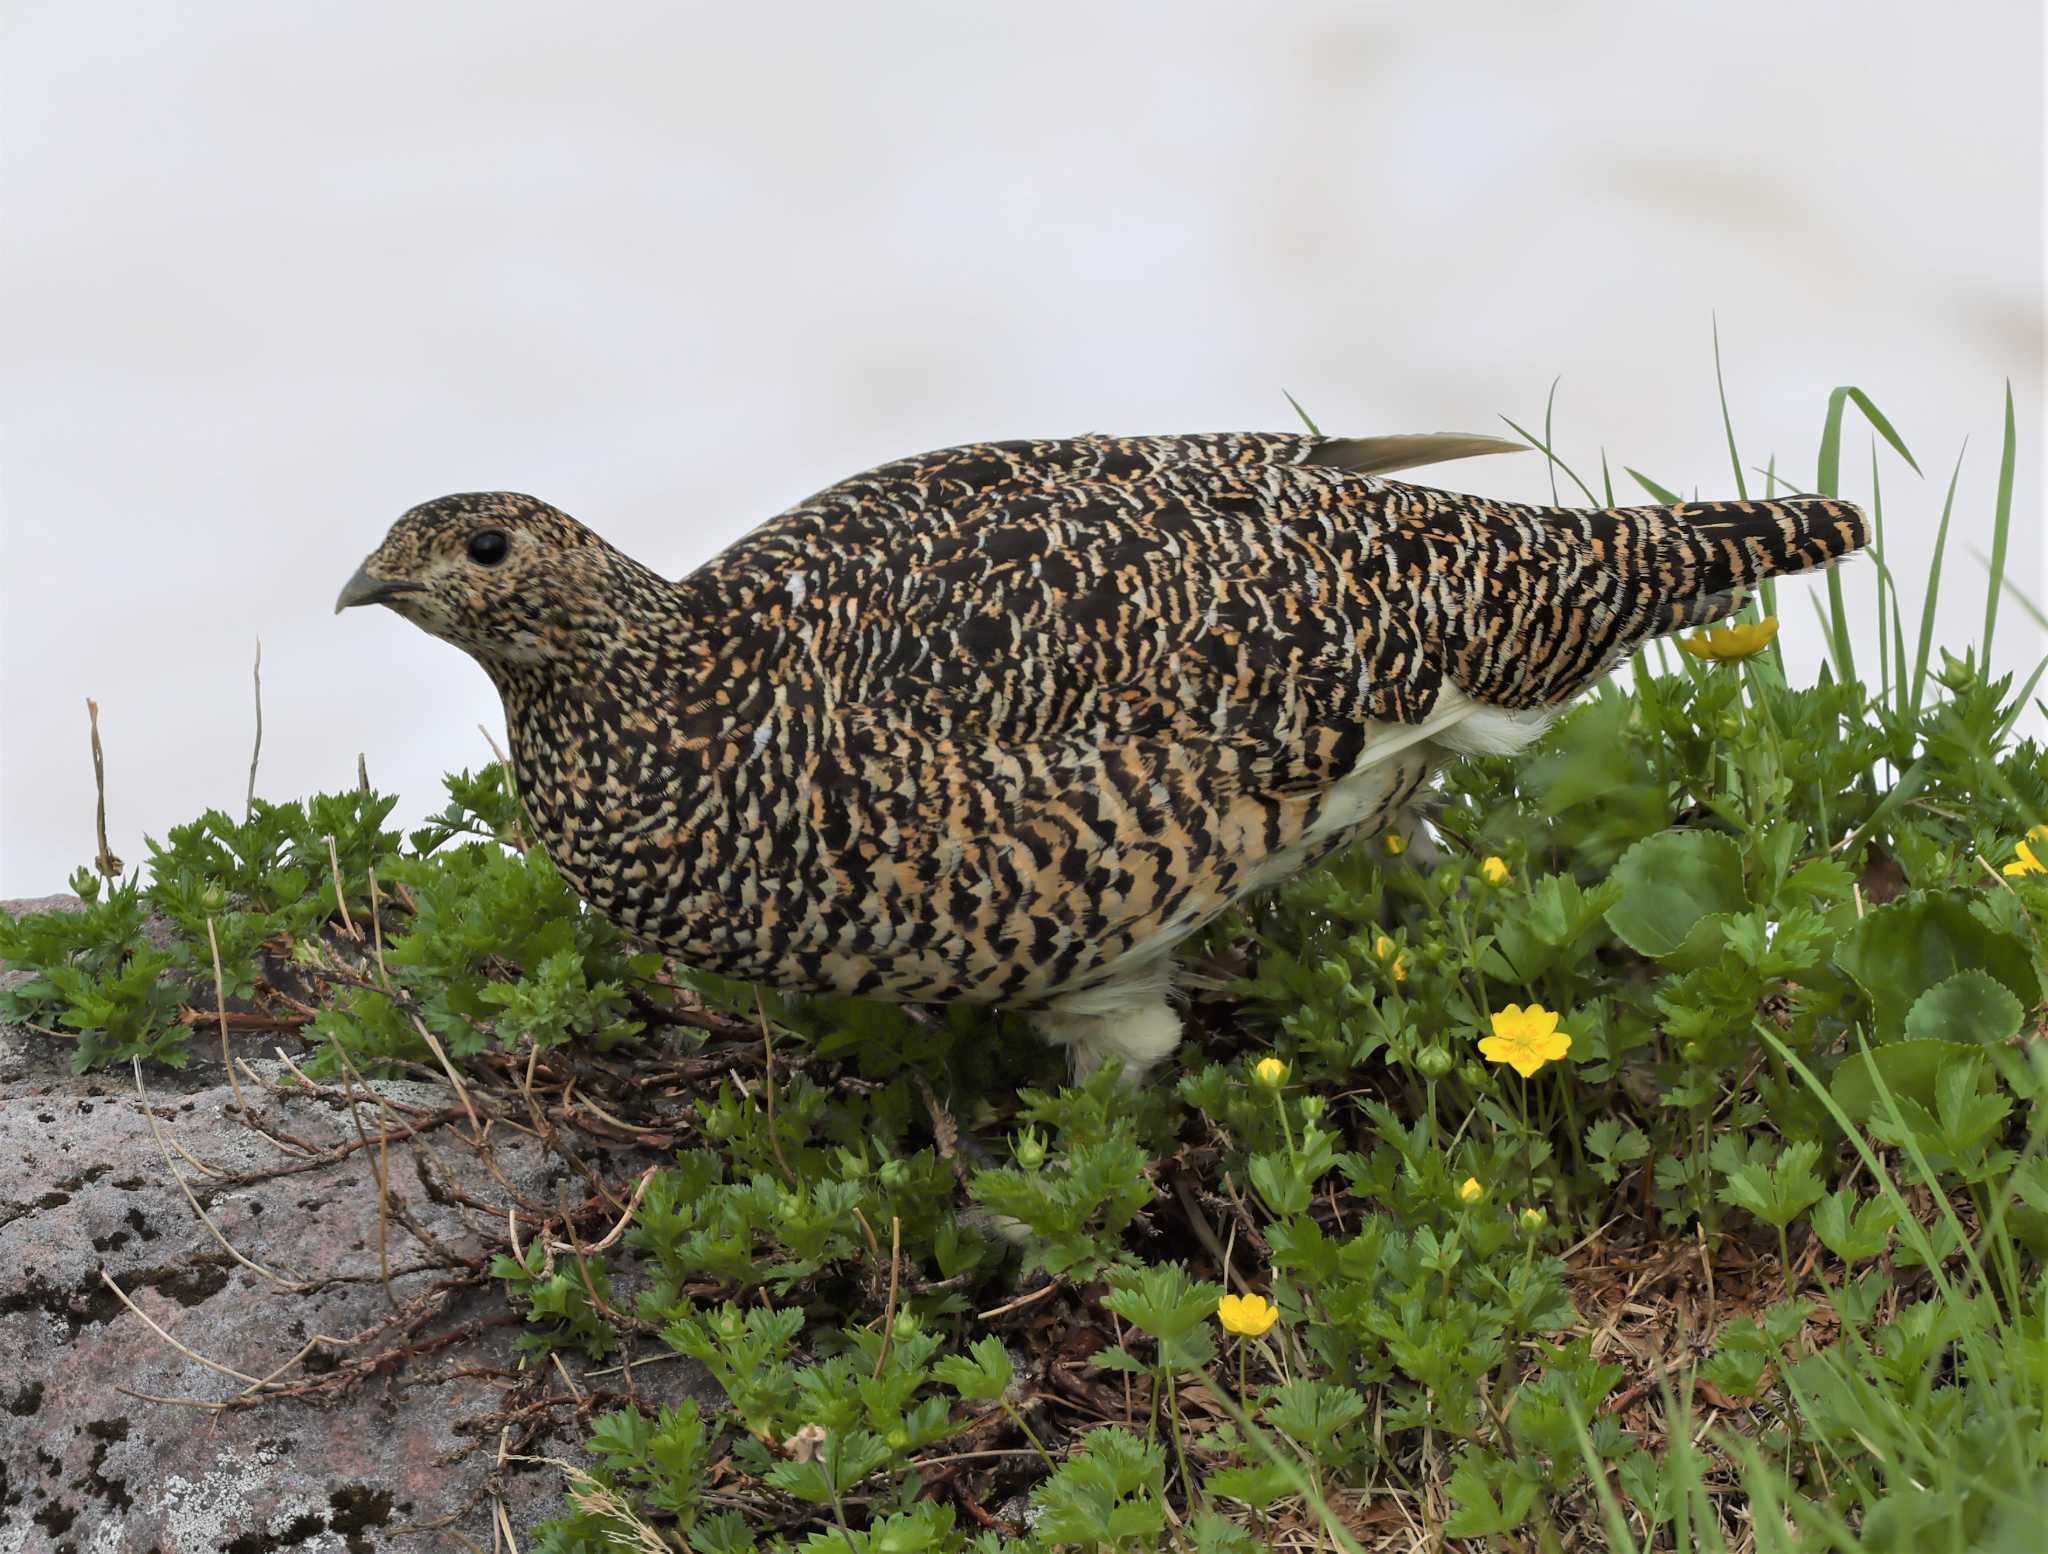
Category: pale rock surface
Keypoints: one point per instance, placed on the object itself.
(86, 1466)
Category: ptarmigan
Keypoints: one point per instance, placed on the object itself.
(1006, 723)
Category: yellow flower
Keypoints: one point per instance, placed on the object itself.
(1250, 1316)
(2026, 862)
(1397, 960)
(1525, 1039)
(1469, 1191)
(1532, 1219)
(1726, 643)
(1397, 844)
(1270, 1072)
(1496, 870)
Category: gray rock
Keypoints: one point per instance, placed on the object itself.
(113, 1438)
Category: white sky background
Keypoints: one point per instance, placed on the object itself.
(275, 272)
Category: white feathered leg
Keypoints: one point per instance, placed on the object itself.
(1128, 1020)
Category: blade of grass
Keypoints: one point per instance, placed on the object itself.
(1543, 448)
(1550, 403)
(1888, 608)
(2001, 525)
(1934, 586)
(1831, 435)
(1910, 1228)
(1727, 422)
(1619, 1538)
(1828, 635)
(1829, 480)
(1313, 429)
(1606, 480)
(2019, 702)
(1663, 494)
(2040, 619)
(1768, 591)
(1910, 782)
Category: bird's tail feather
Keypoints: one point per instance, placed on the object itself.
(1702, 558)
(1563, 595)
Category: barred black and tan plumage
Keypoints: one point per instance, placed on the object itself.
(1005, 723)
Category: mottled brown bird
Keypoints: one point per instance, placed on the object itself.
(1006, 723)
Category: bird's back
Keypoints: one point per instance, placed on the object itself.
(1251, 586)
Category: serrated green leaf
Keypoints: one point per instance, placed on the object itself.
(1673, 888)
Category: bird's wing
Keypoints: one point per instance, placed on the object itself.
(873, 513)
(1255, 588)
(1114, 588)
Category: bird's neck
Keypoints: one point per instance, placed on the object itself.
(604, 743)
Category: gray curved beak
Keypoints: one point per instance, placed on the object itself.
(365, 589)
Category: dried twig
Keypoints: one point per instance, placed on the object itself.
(455, 1079)
(1020, 1302)
(624, 1220)
(377, 930)
(496, 753)
(191, 1354)
(895, 1276)
(768, 1058)
(105, 861)
(256, 751)
(220, 1007)
(149, 1114)
(380, 1170)
(341, 891)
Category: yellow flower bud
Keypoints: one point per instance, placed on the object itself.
(1495, 869)
(1469, 1191)
(1270, 1072)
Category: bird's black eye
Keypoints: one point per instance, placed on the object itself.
(487, 547)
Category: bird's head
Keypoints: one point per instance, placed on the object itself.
(505, 577)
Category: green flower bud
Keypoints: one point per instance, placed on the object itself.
(1029, 1149)
(1435, 1060)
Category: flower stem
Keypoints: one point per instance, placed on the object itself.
(1017, 1418)
(1286, 1127)
(1180, 1455)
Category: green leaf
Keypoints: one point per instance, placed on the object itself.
(1909, 1069)
(1671, 885)
(1902, 950)
(1257, 1486)
(1971, 1006)
(1853, 1232)
(1111, 1488)
(1312, 1413)
(1494, 1496)
(983, 1373)
(1779, 1193)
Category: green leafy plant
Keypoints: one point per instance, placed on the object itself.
(1658, 1166)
